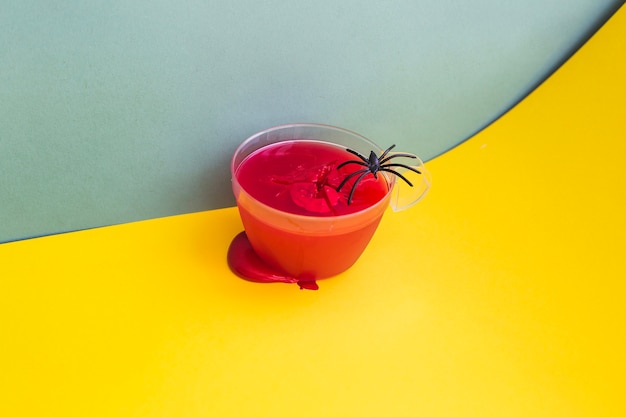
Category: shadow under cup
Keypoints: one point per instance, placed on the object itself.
(300, 246)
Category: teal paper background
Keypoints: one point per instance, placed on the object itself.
(115, 111)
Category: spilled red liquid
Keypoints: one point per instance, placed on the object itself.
(245, 263)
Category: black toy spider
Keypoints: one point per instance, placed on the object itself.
(373, 165)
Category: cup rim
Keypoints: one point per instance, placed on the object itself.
(302, 217)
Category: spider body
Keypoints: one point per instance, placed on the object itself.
(373, 165)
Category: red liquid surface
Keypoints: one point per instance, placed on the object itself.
(301, 178)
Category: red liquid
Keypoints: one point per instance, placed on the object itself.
(244, 261)
(301, 177)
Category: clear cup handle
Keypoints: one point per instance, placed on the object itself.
(404, 195)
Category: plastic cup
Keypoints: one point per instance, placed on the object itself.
(307, 247)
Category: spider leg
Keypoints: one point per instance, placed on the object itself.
(364, 159)
(355, 184)
(341, 165)
(380, 158)
(397, 155)
(398, 174)
(402, 166)
(354, 174)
